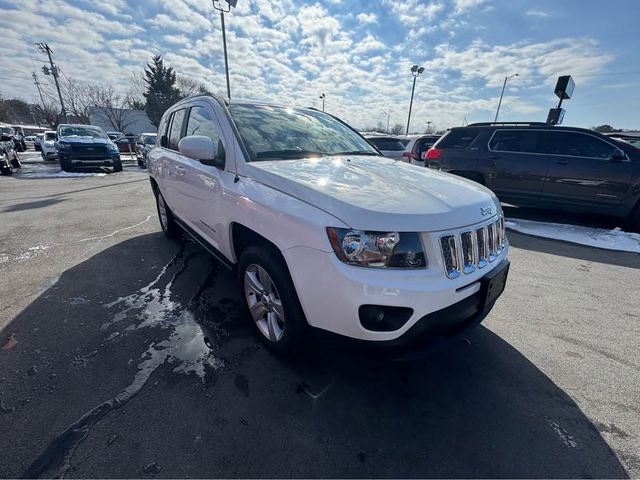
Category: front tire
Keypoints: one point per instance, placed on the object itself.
(633, 220)
(167, 222)
(272, 300)
(117, 165)
(66, 166)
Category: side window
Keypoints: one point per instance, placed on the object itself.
(576, 144)
(519, 141)
(175, 131)
(201, 123)
(461, 138)
(162, 130)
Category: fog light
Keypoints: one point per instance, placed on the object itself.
(379, 318)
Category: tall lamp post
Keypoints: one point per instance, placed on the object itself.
(388, 117)
(220, 6)
(416, 71)
(322, 97)
(506, 79)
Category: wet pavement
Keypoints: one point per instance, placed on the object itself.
(124, 354)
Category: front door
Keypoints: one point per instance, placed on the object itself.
(581, 169)
(201, 186)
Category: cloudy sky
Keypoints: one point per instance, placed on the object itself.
(358, 52)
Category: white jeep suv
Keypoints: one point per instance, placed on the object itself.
(325, 233)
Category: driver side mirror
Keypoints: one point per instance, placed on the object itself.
(201, 148)
(618, 155)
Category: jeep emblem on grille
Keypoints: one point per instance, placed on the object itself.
(486, 211)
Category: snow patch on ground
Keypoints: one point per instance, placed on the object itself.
(616, 239)
(61, 174)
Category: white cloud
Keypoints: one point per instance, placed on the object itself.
(532, 12)
(414, 12)
(463, 5)
(367, 18)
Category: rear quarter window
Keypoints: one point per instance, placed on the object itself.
(459, 139)
(387, 144)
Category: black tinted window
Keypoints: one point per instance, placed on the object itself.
(388, 144)
(201, 123)
(577, 145)
(521, 141)
(425, 144)
(176, 129)
(458, 138)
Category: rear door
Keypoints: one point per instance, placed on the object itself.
(516, 162)
(172, 162)
(581, 170)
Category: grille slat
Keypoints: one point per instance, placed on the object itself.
(467, 251)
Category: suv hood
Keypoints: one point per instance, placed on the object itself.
(377, 193)
(85, 140)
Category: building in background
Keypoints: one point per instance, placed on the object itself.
(127, 121)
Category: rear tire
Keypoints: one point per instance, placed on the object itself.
(272, 301)
(167, 222)
(633, 220)
(117, 165)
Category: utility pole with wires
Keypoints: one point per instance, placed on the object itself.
(220, 6)
(53, 70)
(37, 83)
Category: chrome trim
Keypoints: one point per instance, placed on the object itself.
(450, 256)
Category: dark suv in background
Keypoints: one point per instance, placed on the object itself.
(540, 165)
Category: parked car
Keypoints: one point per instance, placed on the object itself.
(81, 146)
(390, 147)
(8, 156)
(48, 146)
(30, 141)
(126, 144)
(417, 146)
(144, 143)
(115, 135)
(539, 165)
(37, 143)
(326, 234)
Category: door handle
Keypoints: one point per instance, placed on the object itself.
(562, 162)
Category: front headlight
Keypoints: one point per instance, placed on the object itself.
(378, 249)
(113, 148)
(63, 146)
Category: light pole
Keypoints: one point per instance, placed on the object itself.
(416, 71)
(388, 117)
(218, 5)
(429, 122)
(506, 79)
(322, 97)
(53, 70)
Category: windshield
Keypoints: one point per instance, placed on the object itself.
(6, 130)
(272, 133)
(81, 131)
(150, 140)
(50, 136)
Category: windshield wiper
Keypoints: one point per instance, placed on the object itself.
(356, 152)
(292, 153)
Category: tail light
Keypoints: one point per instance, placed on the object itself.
(434, 153)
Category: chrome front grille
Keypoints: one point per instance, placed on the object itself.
(473, 249)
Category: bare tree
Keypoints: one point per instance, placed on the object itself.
(137, 88)
(397, 129)
(114, 106)
(188, 86)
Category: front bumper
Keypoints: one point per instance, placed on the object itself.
(107, 161)
(332, 292)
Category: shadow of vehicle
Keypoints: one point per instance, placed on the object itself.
(141, 361)
(558, 216)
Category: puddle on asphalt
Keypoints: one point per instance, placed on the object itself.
(188, 348)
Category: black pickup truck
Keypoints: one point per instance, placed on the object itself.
(540, 165)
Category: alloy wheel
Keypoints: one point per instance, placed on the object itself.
(264, 301)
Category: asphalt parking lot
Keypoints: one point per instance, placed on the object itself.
(125, 354)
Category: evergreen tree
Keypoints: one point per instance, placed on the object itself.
(161, 89)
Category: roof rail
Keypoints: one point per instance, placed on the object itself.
(488, 124)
